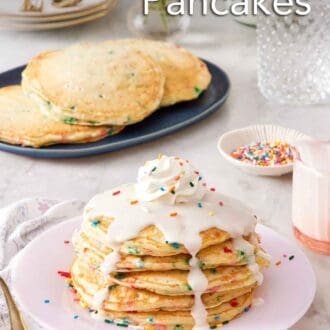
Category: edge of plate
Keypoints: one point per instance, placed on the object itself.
(60, 11)
(55, 25)
(78, 219)
(313, 285)
(20, 255)
(60, 17)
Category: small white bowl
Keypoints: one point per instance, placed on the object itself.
(232, 140)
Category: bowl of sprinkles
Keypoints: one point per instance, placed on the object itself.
(261, 149)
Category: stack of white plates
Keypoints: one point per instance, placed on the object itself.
(51, 17)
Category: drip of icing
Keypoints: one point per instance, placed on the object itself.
(75, 237)
(240, 244)
(198, 283)
(165, 187)
(110, 260)
(99, 297)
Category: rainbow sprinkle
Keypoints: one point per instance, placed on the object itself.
(234, 303)
(227, 250)
(174, 245)
(95, 223)
(265, 153)
(64, 274)
(154, 169)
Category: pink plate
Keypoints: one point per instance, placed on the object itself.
(288, 289)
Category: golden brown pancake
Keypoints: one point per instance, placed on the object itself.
(22, 123)
(95, 84)
(186, 76)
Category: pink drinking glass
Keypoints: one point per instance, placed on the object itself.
(311, 195)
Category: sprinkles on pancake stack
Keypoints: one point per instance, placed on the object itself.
(192, 261)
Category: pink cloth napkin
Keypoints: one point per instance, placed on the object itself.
(20, 223)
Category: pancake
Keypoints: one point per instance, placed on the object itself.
(149, 241)
(95, 84)
(180, 320)
(221, 254)
(94, 249)
(175, 282)
(22, 123)
(186, 76)
(214, 299)
(129, 263)
(170, 283)
(121, 298)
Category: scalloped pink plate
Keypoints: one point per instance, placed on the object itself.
(288, 289)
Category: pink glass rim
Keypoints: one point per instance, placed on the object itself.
(297, 158)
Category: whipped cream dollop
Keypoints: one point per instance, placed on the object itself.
(170, 178)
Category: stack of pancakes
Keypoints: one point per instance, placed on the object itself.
(149, 286)
(97, 89)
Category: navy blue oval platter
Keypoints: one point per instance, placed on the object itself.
(161, 123)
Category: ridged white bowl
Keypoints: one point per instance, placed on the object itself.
(258, 133)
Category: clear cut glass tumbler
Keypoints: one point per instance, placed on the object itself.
(294, 56)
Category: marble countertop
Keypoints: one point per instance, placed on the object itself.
(222, 41)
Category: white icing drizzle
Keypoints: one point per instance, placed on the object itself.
(99, 297)
(198, 283)
(170, 194)
(240, 244)
(110, 260)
